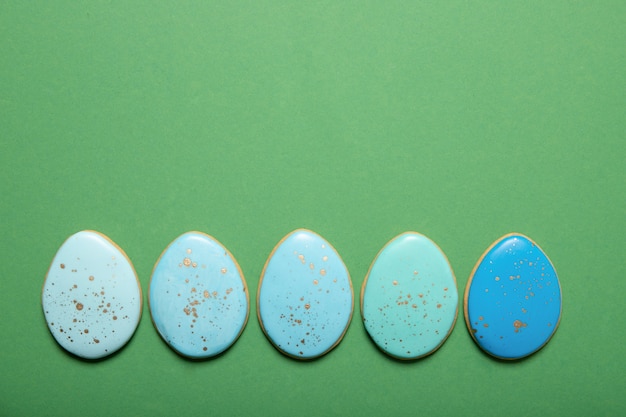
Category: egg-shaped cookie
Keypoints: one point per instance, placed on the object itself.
(512, 298)
(409, 299)
(198, 296)
(91, 296)
(305, 297)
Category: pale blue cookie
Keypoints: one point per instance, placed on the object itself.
(91, 296)
(198, 296)
(409, 299)
(305, 297)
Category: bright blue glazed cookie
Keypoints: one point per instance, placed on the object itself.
(198, 296)
(409, 299)
(512, 299)
(91, 296)
(305, 297)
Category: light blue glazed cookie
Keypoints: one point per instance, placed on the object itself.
(409, 299)
(305, 297)
(512, 299)
(91, 296)
(198, 296)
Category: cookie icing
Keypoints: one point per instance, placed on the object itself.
(513, 298)
(91, 296)
(305, 297)
(198, 296)
(409, 299)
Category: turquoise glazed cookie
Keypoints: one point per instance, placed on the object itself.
(198, 296)
(409, 299)
(512, 299)
(91, 296)
(305, 297)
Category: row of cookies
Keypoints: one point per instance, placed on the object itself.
(199, 301)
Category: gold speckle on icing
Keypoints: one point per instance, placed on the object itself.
(194, 265)
(186, 261)
(91, 278)
(395, 282)
(311, 265)
(224, 270)
(325, 258)
(518, 325)
(315, 282)
(497, 278)
(189, 250)
(301, 258)
(481, 318)
(206, 294)
(322, 272)
(307, 306)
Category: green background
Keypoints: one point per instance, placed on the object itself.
(245, 120)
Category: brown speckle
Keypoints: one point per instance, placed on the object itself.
(307, 306)
(96, 340)
(79, 306)
(114, 317)
(205, 348)
(438, 305)
(86, 331)
(91, 278)
(62, 266)
(518, 325)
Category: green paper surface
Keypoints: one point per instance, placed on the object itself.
(463, 121)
